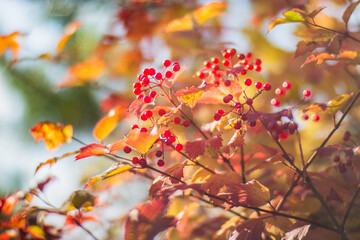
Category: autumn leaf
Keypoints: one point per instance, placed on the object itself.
(81, 200)
(189, 96)
(331, 107)
(70, 29)
(248, 230)
(215, 95)
(92, 149)
(236, 141)
(176, 171)
(195, 148)
(297, 232)
(84, 72)
(108, 123)
(349, 11)
(8, 42)
(348, 56)
(293, 15)
(200, 175)
(115, 169)
(8, 234)
(53, 134)
(54, 160)
(142, 141)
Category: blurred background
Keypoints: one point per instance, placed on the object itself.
(127, 35)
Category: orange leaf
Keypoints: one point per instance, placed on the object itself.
(70, 29)
(117, 146)
(53, 134)
(107, 124)
(208, 11)
(92, 149)
(320, 58)
(54, 160)
(9, 234)
(9, 42)
(115, 169)
(84, 72)
(142, 141)
(189, 95)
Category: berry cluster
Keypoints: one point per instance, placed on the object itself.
(281, 92)
(282, 130)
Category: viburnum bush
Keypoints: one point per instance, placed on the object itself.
(233, 150)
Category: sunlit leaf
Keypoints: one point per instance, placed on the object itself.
(70, 29)
(8, 203)
(115, 169)
(189, 96)
(248, 230)
(315, 12)
(195, 148)
(8, 42)
(293, 15)
(108, 123)
(35, 231)
(53, 134)
(331, 107)
(348, 56)
(8, 234)
(200, 175)
(314, 34)
(303, 47)
(181, 24)
(92, 149)
(277, 226)
(208, 11)
(51, 161)
(117, 146)
(142, 141)
(84, 72)
(348, 12)
(297, 232)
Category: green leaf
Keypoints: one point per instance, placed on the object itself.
(293, 15)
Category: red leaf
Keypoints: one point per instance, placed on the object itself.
(176, 171)
(167, 190)
(248, 230)
(195, 148)
(92, 149)
(215, 142)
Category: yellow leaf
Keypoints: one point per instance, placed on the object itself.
(36, 231)
(70, 29)
(337, 103)
(208, 11)
(9, 42)
(180, 24)
(189, 95)
(200, 175)
(107, 124)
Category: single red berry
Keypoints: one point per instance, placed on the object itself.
(148, 113)
(305, 117)
(167, 133)
(177, 120)
(137, 91)
(226, 54)
(217, 117)
(257, 68)
(286, 84)
(142, 162)
(158, 76)
(168, 142)
(207, 64)
(127, 149)
(140, 77)
(293, 127)
(250, 67)
(215, 60)
(172, 138)
(226, 62)
(315, 117)
(178, 147)
(306, 93)
(249, 55)
(247, 81)
(186, 123)
(159, 153)
(143, 117)
(252, 124)
(215, 67)
(346, 136)
(168, 74)
(141, 96)
(167, 62)
(200, 75)
(146, 71)
(258, 85)
(143, 129)
(249, 101)
(237, 105)
(161, 112)
(147, 99)
(220, 111)
(241, 56)
(244, 62)
(134, 126)
(243, 72)
(336, 159)
(284, 135)
(257, 61)
(160, 163)
(232, 51)
(279, 91)
(176, 67)
(244, 117)
(135, 160)
(227, 98)
(137, 85)
(145, 82)
(275, 102)
(227, 83)
(152, 71)
(237, 125)
(152, 94)
(267, 86)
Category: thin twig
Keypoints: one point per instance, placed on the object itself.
(242, 162)
(351, 204)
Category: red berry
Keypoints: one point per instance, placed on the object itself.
(286, 84)
(134, 126)
(217, 117)
(168, 74)
(267, 86)
(226, 54)
(249, 55)
(257, 61)
(146, 71)
(152, 94)
(315, 117)
(227, 83)
(160, 163)
(147, 99)
(275, 102)
(207, 64)
(232, 51)
(250, 67)
(279, 91)
(220, 111)
(283, 135)
(167, 133)
(145, 82)
(227, 98)
(306, 93)
(293, 127)
(237, 125)
(257, 68)
(243, 72)
(148, 113)
(143, 117)
(186, 123)
(176, 67)
(346, 136)
(152, 71)
(172, 139)
(305, 117)
(237, 105)
(226, 62)
(137, 85)
(137, 91)
(241, 56)
(161, 112)
(177, 120)
(141, 96)
(247, 81)
(249, 101)
(215, 67)
(258, 85)
(135, 160)
(244, 117)
(127, 149)
(167, 62)
(143, 129)
(252, 124)
(158, 76)
(215, 60)
(159, 153)
(178, 147)
(168, 142)
(336, 159)
(244, 62)
(142, 162)
(200, 75)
